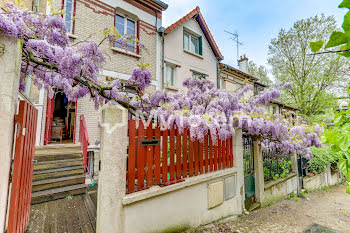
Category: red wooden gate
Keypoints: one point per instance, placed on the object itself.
(166, 157)
(21, 188)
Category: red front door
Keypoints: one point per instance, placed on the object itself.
(48, 121)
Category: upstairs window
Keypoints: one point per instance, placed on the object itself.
(69, 12)
(36, 4)
(126, 26)
(170, 75)
(192, 43)
(198, 75)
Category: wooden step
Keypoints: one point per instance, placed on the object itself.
(57, 172)
(58, 193)
(57, 156)
(42, 185)
(58, 164)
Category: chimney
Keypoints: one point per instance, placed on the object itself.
(243, 64)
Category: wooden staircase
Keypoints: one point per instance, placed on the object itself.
(58, 172)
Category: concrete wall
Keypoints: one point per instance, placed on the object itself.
(176, 55)
(280, 189)
(197, 200)
(185, 204)
(326, 178)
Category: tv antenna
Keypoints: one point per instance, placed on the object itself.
(234, 37)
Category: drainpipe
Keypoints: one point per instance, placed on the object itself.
(161, 31)
(218, 60)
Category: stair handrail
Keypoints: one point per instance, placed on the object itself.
(84, 140)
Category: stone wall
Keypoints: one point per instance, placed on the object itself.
(324, 179)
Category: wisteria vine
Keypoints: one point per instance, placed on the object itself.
(54, 64)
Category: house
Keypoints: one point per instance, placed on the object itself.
(189, 51)
(59, 118)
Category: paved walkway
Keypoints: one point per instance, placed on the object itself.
(324, 210)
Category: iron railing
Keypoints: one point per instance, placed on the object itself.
(276, 162)
(248, 156)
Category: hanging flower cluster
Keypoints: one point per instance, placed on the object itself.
(54, 64)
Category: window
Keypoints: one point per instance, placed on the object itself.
(69, 6)
(36, 4)
(170, 75)
(127, 27)
(274, 110)
(192, 43)
(198, 75)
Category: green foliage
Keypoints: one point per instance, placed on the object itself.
(275, 169)
(316, 80)
(259, 72)
(321, 158)
(316, 46)
(345, 4)
(337, 38)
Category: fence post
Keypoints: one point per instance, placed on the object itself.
(10, 65)
(112, 177)
(237, 143)
(258, 170)
(293, 159)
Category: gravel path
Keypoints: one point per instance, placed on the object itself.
(324, 210)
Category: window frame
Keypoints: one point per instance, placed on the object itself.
(196, 74)
(170, 65)
(125, 25)
(199, 42)
(74, 3)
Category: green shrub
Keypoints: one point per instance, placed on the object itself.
(321, 158)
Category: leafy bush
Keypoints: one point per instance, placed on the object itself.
(321, 158)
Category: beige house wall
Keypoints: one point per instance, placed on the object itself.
(176, 55)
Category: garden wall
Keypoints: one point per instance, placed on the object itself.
(323, 179)
(279, 189)
(198, 200)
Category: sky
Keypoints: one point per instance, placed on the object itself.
(255, 21)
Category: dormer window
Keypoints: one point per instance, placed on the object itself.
(192, 43)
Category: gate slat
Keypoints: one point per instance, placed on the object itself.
(211, 165)
(157, 157)
(190, 156)
(201, 163)
(215, 156)
(223, 154)
(132, 155)
(141, 156)
(178, 155)
(228, 153)
(165, 157)
(184, 154)
(219, 155)
(195, 144)
(206, 153)
(149, 154)
(172, 150)
(231, 153)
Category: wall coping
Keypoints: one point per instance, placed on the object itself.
(157, 190)
(270, 184)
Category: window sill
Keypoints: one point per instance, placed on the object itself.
(72, 36)
(194, 54)
(171, 88)
(124, 51)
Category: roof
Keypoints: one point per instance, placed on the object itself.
(225, 66)
(197, 15)
(284, 105)
(160, 3)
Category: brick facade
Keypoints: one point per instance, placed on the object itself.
(91, 17)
